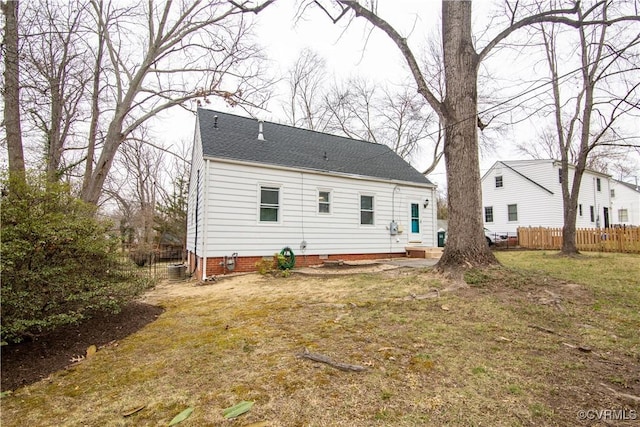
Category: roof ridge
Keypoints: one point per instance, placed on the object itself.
(298, 128)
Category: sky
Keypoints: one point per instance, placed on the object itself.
(358, 51)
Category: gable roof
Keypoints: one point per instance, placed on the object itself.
(508, 165)
(633, 187)
(227, 136)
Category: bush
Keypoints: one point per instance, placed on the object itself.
(59, 263)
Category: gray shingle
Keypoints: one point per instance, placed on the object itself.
(236, 138)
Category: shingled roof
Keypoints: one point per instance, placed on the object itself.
(236, 138)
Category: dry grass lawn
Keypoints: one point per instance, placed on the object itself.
(529, 344)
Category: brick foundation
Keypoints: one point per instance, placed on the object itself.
(248, 264)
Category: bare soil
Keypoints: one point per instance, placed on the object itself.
(30, 361)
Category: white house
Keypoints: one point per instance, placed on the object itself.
(526, 193)
(625, 203)
(258, 187)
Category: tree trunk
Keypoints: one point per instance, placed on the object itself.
(12, 91)
(466, 244)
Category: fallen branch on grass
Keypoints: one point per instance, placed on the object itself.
(316, 357)
(625, 395)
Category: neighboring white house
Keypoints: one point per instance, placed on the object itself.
(525, 193)
(625, 203)
(258, 187)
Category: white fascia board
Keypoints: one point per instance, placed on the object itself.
(321, 172)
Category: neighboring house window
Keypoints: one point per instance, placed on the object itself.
(580, 209)
(598, 184)
(324, 201)
(623, 215)
(560, 176)
(592, 213)
(498, 181)
(513, 212)
(415, 218)
(613, 193)
(366, 210)
(269, 204)
(488, 214)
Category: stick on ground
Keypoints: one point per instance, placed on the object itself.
(317, 357)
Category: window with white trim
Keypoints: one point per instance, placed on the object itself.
(488, 214)
(598, 184)
(623, 215)
(324, 201)
(512, 211)
(499, 181)
(366, 210)
(269, 204)
(580, 209)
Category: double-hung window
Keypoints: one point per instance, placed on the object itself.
(269, 204)
(324, 202)
(366, 210)
(488, 214)
(499, 181)
(513, 212)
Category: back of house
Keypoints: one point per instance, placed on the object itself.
(259, 187)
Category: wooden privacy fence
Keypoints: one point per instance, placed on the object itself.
(587, 239)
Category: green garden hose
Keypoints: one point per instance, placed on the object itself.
(289, 259)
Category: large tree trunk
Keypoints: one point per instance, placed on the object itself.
(466, 244)
(12, 91)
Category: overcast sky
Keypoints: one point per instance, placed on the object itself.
(358, 51)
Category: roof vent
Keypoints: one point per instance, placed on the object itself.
(215, 122)
(260, 134)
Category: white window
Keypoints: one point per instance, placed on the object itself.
(366, 210)
(598, 184)
(499, 181)
(580, 209)
(324, 201)
(613, 193)
(512, 212)
(269, 204)
(488, 214)
(592, 214)
(623, 215)
(560, 176)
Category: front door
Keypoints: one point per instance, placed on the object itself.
(415, 235)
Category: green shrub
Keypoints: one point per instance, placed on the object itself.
(59, 263)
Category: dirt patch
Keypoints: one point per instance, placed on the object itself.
(33, 360)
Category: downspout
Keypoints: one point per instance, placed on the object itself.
(434, 218)
(204, 220)
(195, 239)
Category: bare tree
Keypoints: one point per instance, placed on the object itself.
(306, 80)
(149, 78)
(457, 110)
(12, 90)
(400, 120)
(56, 74)
(608, 90)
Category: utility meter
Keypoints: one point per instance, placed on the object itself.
(393, 228)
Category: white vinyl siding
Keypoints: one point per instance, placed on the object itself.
(233, 223)
(523, 183)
